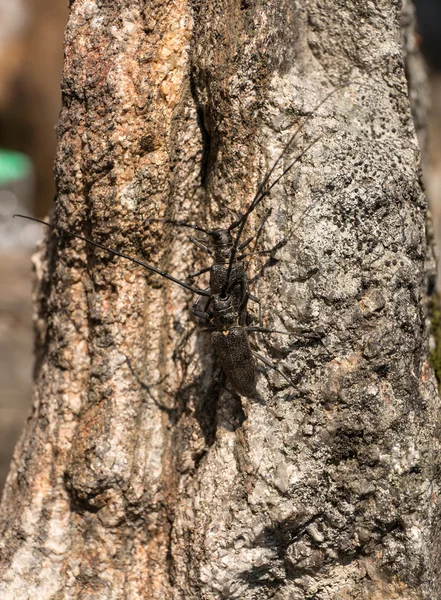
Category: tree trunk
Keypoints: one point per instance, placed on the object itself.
(139, 476)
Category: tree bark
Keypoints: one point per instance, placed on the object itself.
(138, 475)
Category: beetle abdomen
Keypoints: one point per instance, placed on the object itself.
(236, 358)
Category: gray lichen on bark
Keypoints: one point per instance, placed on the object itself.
(138, 476)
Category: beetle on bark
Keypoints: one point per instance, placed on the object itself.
(226, 310)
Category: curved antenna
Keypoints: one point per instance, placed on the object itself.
(307, 210)
(261, 193)
(261, 187)
(253, 206)
(116, 253)
(178, 224)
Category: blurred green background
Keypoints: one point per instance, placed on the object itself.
(31, 58)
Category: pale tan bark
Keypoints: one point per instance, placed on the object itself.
(140, 477)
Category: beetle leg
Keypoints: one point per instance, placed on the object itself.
(200, 245)
(268, 363)
(197, 273)
(202, 313)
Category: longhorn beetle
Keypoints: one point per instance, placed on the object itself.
(234, 353)
(227, 273)
(226, 310)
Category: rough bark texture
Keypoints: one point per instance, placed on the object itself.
(138, 476)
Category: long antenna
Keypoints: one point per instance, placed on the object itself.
(116, 253)
(178, 224)
(253, 206)
(261, 187)
(261, 193)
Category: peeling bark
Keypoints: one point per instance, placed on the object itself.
(138, 476)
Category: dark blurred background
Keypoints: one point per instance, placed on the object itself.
(31, 55)
(429, 25)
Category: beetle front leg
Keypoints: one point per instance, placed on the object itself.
(202, 313)
(200, 272)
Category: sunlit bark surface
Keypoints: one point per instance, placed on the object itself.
(139, 476)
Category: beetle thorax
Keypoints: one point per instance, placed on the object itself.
(224, 314)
